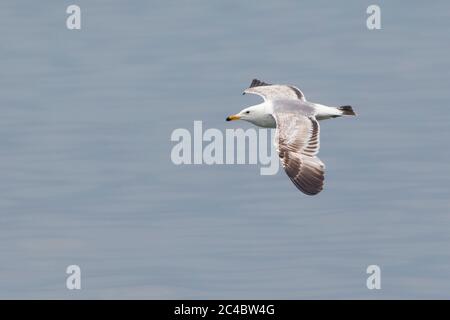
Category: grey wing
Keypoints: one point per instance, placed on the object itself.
(297, 141)
(296, 107)
(274, 91)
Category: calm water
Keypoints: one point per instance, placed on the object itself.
(85, 169)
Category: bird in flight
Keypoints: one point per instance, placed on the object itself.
(297, 137)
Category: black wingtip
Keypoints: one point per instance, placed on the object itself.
(347, 110)
(258, 83)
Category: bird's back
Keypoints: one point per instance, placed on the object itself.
(299, 107)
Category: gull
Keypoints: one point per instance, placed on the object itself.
(297, 135)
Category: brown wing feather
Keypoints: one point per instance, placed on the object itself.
(298, 142)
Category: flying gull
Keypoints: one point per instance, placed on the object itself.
(297, 137)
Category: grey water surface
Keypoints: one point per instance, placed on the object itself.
(86, 176)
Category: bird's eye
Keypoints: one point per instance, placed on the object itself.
(247, 112)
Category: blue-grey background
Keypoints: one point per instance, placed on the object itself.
(85, 170)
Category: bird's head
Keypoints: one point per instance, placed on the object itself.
(250, 114)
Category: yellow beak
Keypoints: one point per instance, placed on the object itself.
(233, 117)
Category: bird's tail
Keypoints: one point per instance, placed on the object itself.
(347, 110)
